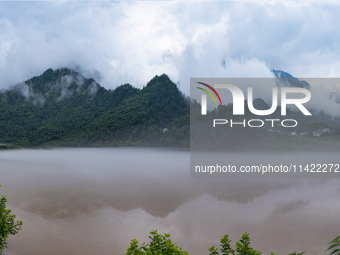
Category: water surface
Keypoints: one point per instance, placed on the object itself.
(94, 201)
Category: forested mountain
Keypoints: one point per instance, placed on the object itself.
(63, 108)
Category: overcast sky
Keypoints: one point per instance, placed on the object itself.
(131, 42)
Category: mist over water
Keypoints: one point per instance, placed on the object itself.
(94, 201)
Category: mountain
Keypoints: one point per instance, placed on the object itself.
(63, 108)
(250, 132)
(260, 104)
(288, 80)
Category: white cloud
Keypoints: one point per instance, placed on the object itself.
(130, 42)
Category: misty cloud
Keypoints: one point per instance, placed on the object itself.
(66, 86)
(134, 41)
(290, 206)
(325, 95)
(28, 93)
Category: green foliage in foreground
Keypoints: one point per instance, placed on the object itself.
(334, 246)
(242, 247)
(161, 245)
(8, 224)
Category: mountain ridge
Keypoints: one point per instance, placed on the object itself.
(61, 106)
(289, 80)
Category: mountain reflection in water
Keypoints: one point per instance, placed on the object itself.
(93, 201)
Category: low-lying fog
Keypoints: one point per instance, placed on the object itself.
(94, 201)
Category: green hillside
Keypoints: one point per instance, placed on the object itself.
(62, 108)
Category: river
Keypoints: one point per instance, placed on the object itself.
(94, 201)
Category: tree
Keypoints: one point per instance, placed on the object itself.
(159, 245)
(8, 224)
(242, 247)
(334, 246)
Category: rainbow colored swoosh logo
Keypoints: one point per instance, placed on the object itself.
(209, 93)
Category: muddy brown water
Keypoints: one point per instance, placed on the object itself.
(94, 201)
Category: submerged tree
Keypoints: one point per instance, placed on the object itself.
(8, 224)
